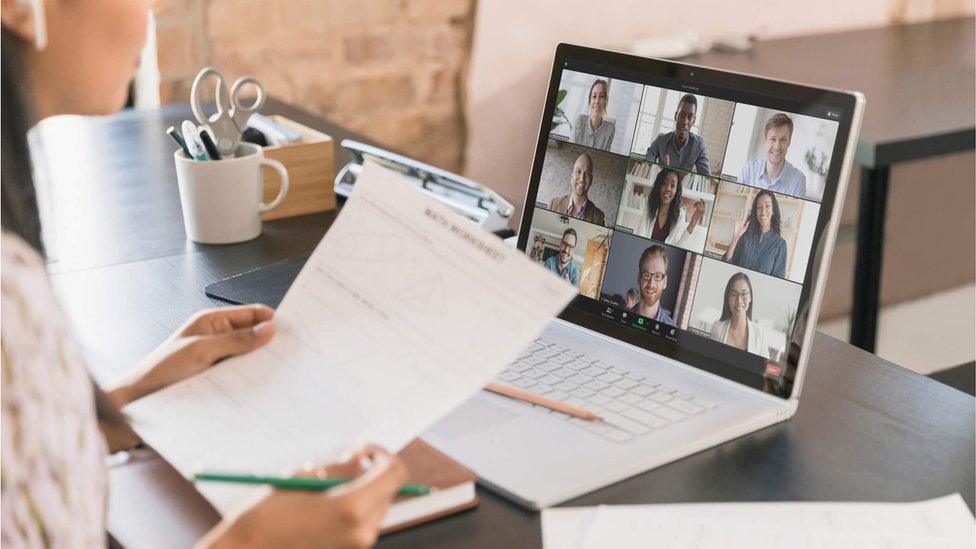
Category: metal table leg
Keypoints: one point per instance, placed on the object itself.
(868, 262)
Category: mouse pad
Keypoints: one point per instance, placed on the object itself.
(266, 284)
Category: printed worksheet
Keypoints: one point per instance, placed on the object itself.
(404, 311)
(944, 522)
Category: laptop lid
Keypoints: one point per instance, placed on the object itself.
(695, 209)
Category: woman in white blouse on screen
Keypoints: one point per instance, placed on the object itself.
(666, 220)
(595, 129)
(735, 327)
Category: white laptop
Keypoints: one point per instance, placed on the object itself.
(696, 211)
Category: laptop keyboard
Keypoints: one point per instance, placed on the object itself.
(631, 405)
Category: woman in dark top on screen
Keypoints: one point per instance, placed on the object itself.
(756, 241)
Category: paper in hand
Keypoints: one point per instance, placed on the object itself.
(404, 311)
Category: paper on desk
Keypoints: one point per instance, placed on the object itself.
(566, 527)
(404, 311)
(942, 522)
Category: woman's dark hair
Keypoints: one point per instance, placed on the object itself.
(654, 202)
(726, 310)
(774, 223)
(18, 209)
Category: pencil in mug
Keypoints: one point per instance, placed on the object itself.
(299, 483)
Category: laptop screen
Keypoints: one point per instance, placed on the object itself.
(685, 204)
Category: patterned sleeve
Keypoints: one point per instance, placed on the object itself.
(53, 455)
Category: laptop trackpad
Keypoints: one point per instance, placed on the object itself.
(473, 416)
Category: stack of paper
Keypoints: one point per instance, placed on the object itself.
(404, 311)
(944, 522)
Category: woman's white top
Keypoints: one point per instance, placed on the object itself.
(679, 236)
(757, 336)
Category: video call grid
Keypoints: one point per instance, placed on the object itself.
(612, 228)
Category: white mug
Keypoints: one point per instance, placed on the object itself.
(221, 199)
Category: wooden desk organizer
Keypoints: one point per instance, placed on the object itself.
(311, 173)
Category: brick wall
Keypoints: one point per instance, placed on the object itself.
(389, 69)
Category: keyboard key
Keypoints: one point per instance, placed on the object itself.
(577, 365)
(669, 414)
(599, 399)
(520, 367)
(684, 396)
(596, 385)
(580, 379)
(689, 408)
(550, 366)
(536, 373)
(593, 371)
(524, 382)
(642, 390)
(616, 435)
(625, 424)
(633, 376)
(631, 398)
(550, 379)
(508, 376)
(669, 390)
(608, 377)
(575, 401)
(547, 353)
(626, 383)
(614, 392)
(566, 385)
(559, 348)
(660, 397)
(535, 347)
(645, 418)
(615, 406)
(582, 392)
(560, 415)
(562, 359)
(541, 389)
(533, 360)
(556, 394)
(648, 405)
(563, 373)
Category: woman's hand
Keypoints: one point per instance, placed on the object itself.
(346, 516)
(697, 216)
(740, 223)
(206, 338)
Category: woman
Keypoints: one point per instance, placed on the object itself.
(78, 58)
(756, 241)
(735, 327)
(666, 220)
(594, 129)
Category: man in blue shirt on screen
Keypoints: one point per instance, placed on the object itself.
(774, 172)
(681, 148)
(562, 265)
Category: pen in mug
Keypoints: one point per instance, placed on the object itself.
(209, 144)
(173, 133)
(192, 139)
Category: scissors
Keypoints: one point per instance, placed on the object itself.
(228, 123)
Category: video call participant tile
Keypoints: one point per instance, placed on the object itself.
(762, 231)
(596, 111)
(646, 278)
(744, 309)
(667, 205)
(785, 152)
(571, 249)
(683, 130)
(581, 183)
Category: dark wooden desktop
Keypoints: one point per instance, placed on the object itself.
(127, 277)
(918, 80)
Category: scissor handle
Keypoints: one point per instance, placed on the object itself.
(196, 95)
(240, 111)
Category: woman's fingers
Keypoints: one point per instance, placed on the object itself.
(225, 319)
(236, 342)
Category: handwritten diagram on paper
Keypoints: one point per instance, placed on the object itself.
(403, 312)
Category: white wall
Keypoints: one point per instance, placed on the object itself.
(514, 42)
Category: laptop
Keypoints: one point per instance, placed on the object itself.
(695, 210)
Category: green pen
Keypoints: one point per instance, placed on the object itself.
(300, 483)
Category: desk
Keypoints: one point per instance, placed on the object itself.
(867, 429)
(919, 84)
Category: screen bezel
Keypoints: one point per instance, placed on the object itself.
(767, 93)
